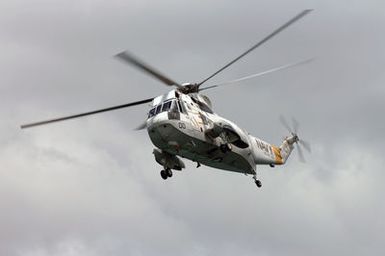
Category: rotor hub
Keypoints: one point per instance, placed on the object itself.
(189, 88)
(293, 139)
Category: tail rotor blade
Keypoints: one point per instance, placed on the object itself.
(306, 145)
(285, 123)
(300, 154)
(295, 125)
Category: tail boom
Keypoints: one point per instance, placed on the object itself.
(265, 153)
(283, 152)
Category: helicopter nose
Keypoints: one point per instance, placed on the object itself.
(164, 136)
(160, 131)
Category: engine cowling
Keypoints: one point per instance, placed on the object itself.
(230, 134)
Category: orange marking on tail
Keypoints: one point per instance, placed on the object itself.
(277, 153)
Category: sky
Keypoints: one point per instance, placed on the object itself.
(92, 187)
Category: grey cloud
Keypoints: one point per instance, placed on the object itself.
(92, 187)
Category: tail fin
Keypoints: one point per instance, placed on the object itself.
(283, 152)
(286, 148)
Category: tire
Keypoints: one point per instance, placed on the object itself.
(169, 173)
(163, 174)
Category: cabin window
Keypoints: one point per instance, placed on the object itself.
(240, 143)
(182, 105)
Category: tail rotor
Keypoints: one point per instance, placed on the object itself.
(294, 137)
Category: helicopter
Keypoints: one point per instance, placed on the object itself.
(182, 124)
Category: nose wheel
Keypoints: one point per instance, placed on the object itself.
(166, 173)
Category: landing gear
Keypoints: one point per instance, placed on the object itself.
(167, 173)
(257, 182)
(225, 147)
(163, 174)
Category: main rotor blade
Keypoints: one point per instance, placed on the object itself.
(86, 113)
(290, 65)
(275, 32)
(130, 59)
(141, 126)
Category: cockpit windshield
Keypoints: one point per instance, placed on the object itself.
(166, 106)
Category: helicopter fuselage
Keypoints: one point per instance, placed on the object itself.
(184, 125)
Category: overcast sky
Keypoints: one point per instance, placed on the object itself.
(92, 187)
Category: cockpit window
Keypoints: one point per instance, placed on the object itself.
(174, 107)
(166, 106)
(151, 113)
(158, 108)
(180, 106)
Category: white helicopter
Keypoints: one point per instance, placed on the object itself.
(181, 123)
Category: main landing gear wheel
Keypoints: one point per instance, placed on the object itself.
(163, 174)
(169, 173)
